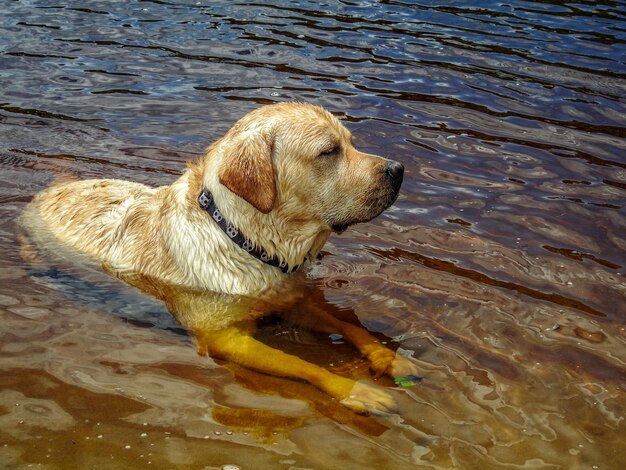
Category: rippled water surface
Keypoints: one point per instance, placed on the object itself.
(500, 269)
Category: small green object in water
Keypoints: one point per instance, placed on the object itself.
(408, 380)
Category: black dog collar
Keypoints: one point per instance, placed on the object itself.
(208, 204)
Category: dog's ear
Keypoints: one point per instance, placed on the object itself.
(247, 170)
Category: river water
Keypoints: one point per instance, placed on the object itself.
(500, 269)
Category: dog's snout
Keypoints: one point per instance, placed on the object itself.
(395, 170)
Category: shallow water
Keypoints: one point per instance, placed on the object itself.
(500, 269)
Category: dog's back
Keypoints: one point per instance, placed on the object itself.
(89, 214)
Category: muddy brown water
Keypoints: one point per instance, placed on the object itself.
(500, 269)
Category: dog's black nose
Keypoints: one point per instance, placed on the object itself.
(395, 170)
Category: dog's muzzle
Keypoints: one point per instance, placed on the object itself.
(392, 175)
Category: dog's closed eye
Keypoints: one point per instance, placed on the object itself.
(330, 151)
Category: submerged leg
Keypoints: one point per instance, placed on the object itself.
(238, 346)
(383, 360)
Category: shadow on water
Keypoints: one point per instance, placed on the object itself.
(499, 270)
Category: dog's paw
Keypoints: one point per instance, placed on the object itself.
(368, 398)
(386, 362)
(381, 360)
(402, 366)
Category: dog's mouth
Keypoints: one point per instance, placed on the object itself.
(371, 204)
(375, 207)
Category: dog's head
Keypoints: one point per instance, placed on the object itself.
(297, 161)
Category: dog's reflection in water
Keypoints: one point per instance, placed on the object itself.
(224, 327)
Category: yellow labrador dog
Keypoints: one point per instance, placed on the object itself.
(232, 230)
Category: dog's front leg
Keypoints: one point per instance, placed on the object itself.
(382, 359)
(236, 345)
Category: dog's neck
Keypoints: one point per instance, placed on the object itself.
(207, 203)
(292, 246)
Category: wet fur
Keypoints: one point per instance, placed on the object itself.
(268, 178)
(286, 175)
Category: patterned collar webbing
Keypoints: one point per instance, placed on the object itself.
(208, 204)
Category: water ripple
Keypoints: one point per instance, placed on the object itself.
(500, 268)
